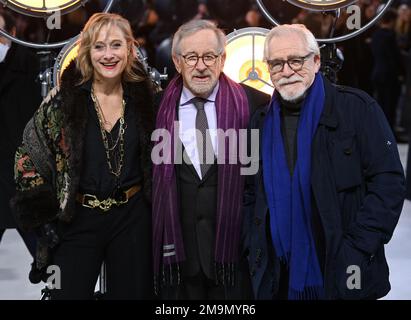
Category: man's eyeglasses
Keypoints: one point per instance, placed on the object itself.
(295, 64)
(191, 60)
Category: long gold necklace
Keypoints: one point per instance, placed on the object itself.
(120, 138)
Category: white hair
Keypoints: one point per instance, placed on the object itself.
(296, 29)
(194, 26)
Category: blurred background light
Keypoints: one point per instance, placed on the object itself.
(41, 8)
(244, 62)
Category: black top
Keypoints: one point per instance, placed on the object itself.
(96, 177)
(290, 114)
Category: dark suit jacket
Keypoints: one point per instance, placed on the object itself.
(198, 204)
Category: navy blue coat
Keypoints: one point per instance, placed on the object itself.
(358, 191)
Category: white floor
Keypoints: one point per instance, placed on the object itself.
(398, 250)
(15, 260)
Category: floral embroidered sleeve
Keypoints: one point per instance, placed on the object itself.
(25, 172)
(35, 202)
(46, 126)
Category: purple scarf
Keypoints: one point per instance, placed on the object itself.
(168, 248)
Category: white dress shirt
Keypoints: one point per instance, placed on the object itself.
(187, 116)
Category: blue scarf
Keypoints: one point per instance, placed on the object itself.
(289, 198)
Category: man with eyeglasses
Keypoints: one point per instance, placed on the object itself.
(330, 189)
(197, 203)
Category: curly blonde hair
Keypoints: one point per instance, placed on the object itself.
(134, 70)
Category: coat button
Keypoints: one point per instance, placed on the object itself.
(252, 273)
(347, 151)
(257, 221)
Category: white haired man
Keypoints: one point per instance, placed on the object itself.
(331, 186)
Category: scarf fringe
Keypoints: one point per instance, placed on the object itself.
(224, 274)
(170, 276)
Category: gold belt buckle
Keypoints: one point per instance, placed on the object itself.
(92, 202)
(105, 205)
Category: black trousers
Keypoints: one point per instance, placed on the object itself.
(197, 287)
(121, 238)
(282, 293)
(200, 287)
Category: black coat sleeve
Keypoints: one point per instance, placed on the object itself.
(385, 184)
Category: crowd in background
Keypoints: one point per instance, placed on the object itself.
(377, 61)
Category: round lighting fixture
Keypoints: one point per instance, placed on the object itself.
(244, 59)
(66, 55)
(322, 5)
(42, 8)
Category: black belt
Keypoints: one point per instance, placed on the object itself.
(91, 201)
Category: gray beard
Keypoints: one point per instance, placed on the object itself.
(203, 91)
(297, 99)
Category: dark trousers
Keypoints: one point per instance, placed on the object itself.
(121, 238)
(282, 293)
(197, 287)
(200, 287)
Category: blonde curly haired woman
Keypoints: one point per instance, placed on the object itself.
(83, 172)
